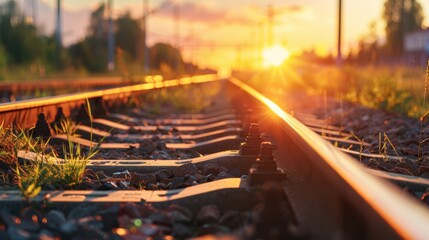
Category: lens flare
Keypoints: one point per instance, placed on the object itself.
(275, 55)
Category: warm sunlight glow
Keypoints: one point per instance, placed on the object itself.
(274, 56)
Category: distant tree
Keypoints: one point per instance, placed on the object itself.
(368, 46)
(128, 33)
(164, 56)
(91, 53)
(401, 17)
(19, 39)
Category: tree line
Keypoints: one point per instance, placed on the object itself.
(401, 17)
(22, 45)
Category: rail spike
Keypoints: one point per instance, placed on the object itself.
(248, 120)
(42, 128)
(265, 168)
(252, 145)
(58, 118)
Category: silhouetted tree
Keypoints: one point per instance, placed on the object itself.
(128, 35)
(163, 55)
(91, 53)
(401, 17)
(368, 46)
(19, 39)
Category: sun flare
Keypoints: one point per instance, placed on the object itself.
(275, 55)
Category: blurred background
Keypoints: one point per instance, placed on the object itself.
(363, 51)
(75, 36)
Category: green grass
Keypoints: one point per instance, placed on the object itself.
(187, 99)
(397, 89)
(47, 168)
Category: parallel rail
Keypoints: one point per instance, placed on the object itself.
(332, 196)
(371, 207)
(24, 113)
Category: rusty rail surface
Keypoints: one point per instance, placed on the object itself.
(24, 113)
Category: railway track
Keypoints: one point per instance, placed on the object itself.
(13, 91)
(241, 167)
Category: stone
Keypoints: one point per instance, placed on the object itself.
(166, 181)
(15, 233)
(163, 173)
(423, 169)
(212, 228)
(109, 216)
(151, 186)
(231, 218)
(182, 231)
(160, 219)
(142, 178)
(200, 178)
(86, 232)
(161, 186)
(223, 175)
(185, 169)
(185, 211)
(30, 220)
(177, 182)
(45, 234)
(147, 146)
(55, 219)
(160, 155)
(177, 216)
(213, 168)
(81, 212)
(91, 221)
(208, 214)
(210, 177)
(69, 228)
(6, 218)
(190, 180)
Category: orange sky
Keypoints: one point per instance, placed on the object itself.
(221, 33)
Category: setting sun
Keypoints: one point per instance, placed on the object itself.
(275, 55)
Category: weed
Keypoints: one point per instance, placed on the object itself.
(421, 119)
(383, 144)
(361, 145)
(47, 168)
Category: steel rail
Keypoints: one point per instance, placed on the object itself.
(53, 83)
(17, 112)
(304, 151)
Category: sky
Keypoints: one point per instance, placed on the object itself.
(219, 33)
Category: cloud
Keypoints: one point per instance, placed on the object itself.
(199, 12)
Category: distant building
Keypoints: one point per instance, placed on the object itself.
(416, 46)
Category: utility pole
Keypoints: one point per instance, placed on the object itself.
(177, 33)
(339, 56)
(34, 9)
(58, 36)
(270, 32)
(111, 40)
(58, 25)
(145, 48)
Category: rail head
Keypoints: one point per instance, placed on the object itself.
(23, 114)
(406, 216)
(40, 102)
